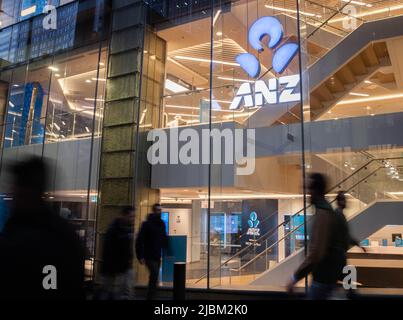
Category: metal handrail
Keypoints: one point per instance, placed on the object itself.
(296, 228)
(271, 231)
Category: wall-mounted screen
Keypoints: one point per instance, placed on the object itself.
(165, 218)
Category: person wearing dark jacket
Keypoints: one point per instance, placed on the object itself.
(341, 205)
(328, 245)
(117, 256)
(41, 255)
(151, 241)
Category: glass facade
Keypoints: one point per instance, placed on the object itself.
(218, 110)
(244, 218)
(53, 87)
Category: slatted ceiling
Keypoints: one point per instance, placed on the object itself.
(369, 57)
(357, 66)
(224, 50)
(346, 75)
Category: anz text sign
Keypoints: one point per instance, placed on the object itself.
(283, 89)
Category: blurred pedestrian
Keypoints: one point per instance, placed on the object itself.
(41, 255)
(341, 202)
(117, 258)
(151, 241)
(326, 256)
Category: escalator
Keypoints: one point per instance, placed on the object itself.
(271, 258)
(362, 225)
(357, 56)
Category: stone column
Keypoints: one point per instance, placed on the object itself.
(133, 106)
(119, 134)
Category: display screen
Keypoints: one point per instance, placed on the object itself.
(165, 218)
(234, 222)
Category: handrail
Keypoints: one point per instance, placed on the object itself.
(296, 228)
(298, 212)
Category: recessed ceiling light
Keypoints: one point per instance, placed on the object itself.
(359, 3)
(216, 16)
(174, 87)
(235, 79)
(219, 34)
(28, 11)
(53, 68)
(373, 98)
(359, 94)
(293, 11)
(88, 81)
(206, 60)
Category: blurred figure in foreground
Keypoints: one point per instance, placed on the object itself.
(151, 240)
(41, 255)
(341, 205)
(350, 240)
(328, 244)
(117, 257)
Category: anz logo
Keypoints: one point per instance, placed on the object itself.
(282, 56)
(253, 223)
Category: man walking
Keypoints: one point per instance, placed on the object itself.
(328, 244)
(117, 256)
(151, 240)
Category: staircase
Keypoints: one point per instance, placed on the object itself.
(260, 262)
(362, 225)
(357, 57)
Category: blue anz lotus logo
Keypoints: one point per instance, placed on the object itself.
(282, 56)
(253, 221)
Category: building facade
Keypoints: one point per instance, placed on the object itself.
(218, 110)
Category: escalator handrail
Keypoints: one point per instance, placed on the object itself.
(296, 228)
(271, 231)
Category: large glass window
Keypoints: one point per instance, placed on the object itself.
(227, 74)
(51, 105)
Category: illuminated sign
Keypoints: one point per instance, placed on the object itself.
(277, 90)
(282, 56)
(253, 223)
(261, 93)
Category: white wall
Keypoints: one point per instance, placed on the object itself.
(186, 222)
(286, 207)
